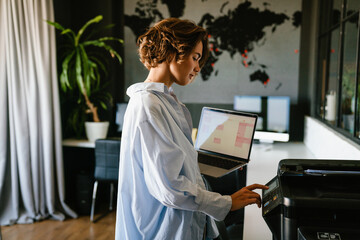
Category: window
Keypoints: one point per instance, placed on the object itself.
(338, 101)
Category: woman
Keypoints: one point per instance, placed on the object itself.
(161, 193)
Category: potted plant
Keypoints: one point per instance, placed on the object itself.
(81, 72)
(348, 96)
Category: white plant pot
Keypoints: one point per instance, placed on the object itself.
(96, 130)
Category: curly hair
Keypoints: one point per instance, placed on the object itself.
(171, 38)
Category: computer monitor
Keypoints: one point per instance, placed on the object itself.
(273, 112)
(120, 112)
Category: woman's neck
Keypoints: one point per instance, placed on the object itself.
(160, 74)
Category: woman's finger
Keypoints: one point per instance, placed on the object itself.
(257, 186)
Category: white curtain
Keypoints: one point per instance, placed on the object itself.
(31, 166)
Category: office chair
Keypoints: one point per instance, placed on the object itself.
(107, 155)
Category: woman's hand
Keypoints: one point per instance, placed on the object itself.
(246, 196)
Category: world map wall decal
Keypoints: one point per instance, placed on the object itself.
(236, 28)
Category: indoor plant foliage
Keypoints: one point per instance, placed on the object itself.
(348, 96)
(348, 88)
(82, 67)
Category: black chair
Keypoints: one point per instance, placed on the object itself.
(107, 155)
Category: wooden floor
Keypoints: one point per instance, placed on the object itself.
(70, 229)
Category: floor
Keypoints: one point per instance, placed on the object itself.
(70, 229)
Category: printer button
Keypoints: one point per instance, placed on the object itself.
(323, 235)
(335, 236)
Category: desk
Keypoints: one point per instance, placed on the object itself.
(71, 142)
(79, 165)
(261, 169)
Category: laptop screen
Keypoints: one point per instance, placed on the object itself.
(226, 132)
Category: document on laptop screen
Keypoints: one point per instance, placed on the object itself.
(225, 133)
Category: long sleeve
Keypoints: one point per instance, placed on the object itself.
(163, 162)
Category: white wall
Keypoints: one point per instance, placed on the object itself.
(325, 143)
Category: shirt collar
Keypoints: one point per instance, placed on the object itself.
(148, 86)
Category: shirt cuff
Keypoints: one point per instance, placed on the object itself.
(216, 205)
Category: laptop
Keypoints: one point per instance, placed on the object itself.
(224, 140)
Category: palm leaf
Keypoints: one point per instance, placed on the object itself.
(56, 25)
(63, 30)
(102, 44)
(86, 68)
(81, 31)
(95, 74)
(78, 70)
(98, 63)
(92, 70)
(64, 78)
(94, 31)
(111, 39)
(103, 105)
(70, 33)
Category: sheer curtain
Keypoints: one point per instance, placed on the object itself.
(31, 167)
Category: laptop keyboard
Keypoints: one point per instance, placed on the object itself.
(217, 161)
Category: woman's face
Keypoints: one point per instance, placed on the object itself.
(184, 73)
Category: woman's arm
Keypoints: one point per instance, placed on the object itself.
(163, 162)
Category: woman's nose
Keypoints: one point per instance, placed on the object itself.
(197, 68)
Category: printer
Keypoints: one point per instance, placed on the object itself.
(313, 199)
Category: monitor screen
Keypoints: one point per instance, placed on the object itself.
(120, 112)
(273, 112)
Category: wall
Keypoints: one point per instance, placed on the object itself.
(256, 50)
(255, 46)
(325, 143)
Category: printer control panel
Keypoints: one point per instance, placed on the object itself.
(271, 197)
